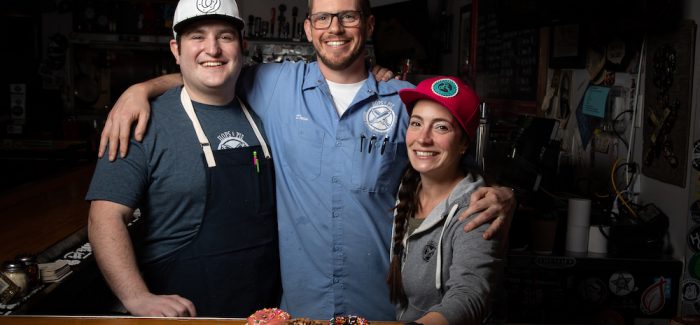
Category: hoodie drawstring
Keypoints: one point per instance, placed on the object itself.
(438, 267)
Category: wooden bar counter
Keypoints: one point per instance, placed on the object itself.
(71, 320)
(39, 214)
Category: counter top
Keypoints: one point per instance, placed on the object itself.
(37, 215)
(96, 320)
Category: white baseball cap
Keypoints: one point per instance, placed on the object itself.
(191, 10)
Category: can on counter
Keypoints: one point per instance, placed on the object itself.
(31, 268)
(14, 271)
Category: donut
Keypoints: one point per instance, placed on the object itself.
(269, 316)
(304, 321)
(348, 320)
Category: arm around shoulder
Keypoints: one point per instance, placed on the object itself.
(132, 105)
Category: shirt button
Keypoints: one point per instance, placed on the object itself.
(336, 280)
(336, 214)
(338, 143)
(334, 179)
(336, 248)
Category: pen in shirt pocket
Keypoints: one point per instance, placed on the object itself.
(386, 139)
(362, 141)
(256, 162)
(372, 141)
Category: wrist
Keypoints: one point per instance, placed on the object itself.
(140, 89)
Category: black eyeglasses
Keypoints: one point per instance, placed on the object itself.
(322, 20)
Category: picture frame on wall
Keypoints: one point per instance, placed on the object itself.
(464, 56)
(567, 50)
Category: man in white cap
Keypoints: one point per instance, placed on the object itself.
(205, 246)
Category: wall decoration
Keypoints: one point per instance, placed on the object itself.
(667, 92)
(567, 49)
(506, 59)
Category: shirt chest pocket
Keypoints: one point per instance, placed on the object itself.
(305, 149)
(379, 170)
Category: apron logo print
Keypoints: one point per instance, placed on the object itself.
(380, 117)
(229, 140)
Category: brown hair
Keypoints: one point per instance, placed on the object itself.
(364, 7)
(408, 206)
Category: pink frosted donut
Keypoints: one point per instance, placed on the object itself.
(269, 316)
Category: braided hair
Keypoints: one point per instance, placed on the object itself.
(408, 205)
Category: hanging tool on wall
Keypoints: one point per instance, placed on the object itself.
(282, 8)
(251, 23)
(272, 22)
(295, 12)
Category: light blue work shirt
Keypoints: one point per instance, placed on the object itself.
(334, 195)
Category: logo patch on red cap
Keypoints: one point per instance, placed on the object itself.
(445, 88)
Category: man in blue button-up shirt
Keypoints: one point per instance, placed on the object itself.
(338, 137)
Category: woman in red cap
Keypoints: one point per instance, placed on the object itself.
(439, 274)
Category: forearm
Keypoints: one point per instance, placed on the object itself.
(432, 318)
(157, 86)
(113, 250)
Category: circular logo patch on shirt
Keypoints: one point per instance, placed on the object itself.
(380, 117)
(445, 88)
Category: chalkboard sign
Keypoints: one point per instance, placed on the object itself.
(506, 59)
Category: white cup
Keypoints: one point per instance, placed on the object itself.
(597, 240)
(577, 229)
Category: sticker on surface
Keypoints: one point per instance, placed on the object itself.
(653, 298)
(690, 290)
(621, 283)
(694, 239)
(694, 266)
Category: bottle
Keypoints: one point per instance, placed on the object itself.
(15, 272)
(482, 137)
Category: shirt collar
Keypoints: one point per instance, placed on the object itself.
(315, 79)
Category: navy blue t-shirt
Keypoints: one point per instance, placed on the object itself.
(164, 175)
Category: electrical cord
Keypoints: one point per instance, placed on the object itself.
(614, 122)
(617, 192)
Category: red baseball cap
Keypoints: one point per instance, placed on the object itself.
(451, 93)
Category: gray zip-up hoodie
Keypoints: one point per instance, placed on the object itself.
(447, 270)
